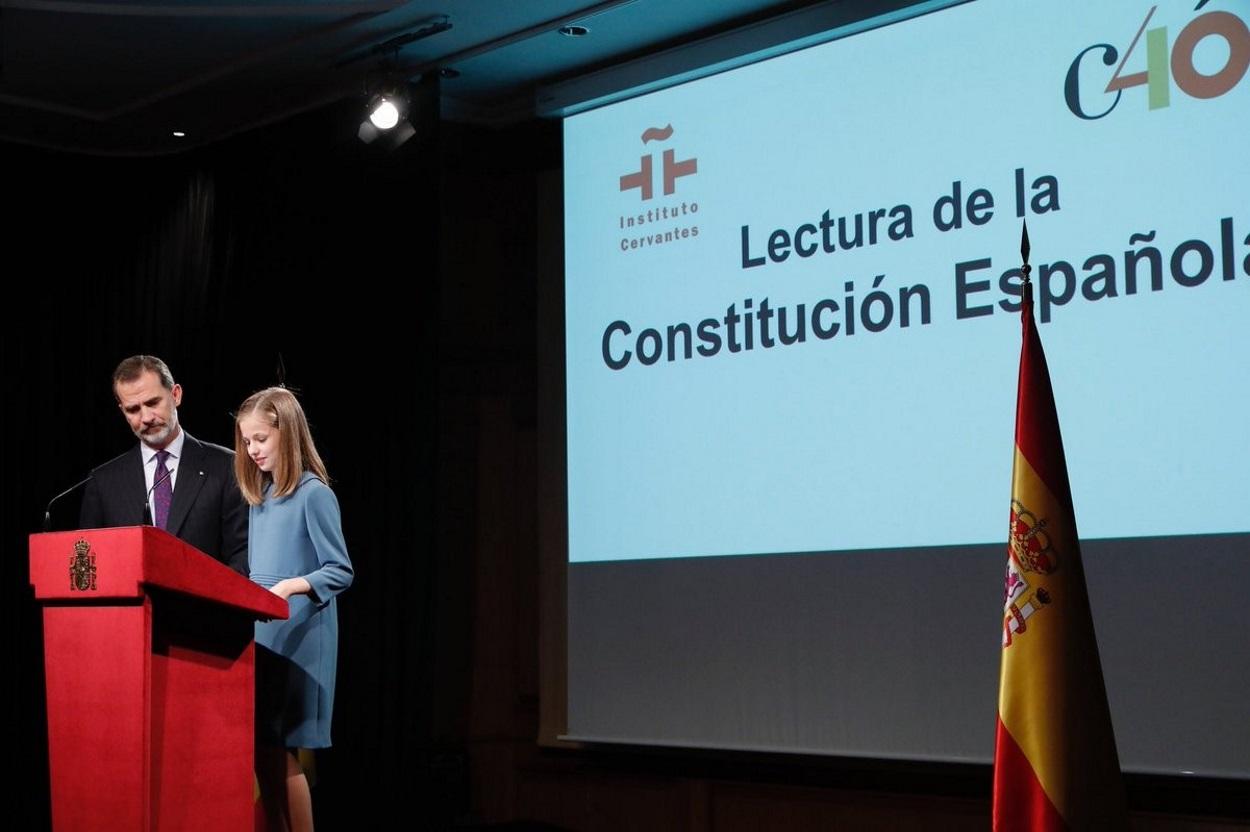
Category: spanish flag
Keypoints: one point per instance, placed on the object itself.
(1055, 762)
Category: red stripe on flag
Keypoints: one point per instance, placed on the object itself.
(1020, 803)
(1037, 425)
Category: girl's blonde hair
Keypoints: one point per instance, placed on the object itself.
(296, 452)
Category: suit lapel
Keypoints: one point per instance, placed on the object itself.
(187, 488)
(132, 482)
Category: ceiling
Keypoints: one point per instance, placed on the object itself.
(121, 77)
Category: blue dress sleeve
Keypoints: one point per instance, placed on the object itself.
(325, 530)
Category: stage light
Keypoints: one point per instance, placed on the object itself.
(386, 120)
(385, 114)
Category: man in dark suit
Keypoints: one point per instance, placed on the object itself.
(172, 480)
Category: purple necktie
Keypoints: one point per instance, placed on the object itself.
(162, 491)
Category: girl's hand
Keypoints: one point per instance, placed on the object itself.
(287, 587)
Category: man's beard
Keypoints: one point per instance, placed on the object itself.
(156, 438)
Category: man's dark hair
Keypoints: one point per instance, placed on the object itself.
(136, 365)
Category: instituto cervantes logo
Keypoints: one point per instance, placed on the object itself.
(644, 180)
(1031, 556)
(664, 221)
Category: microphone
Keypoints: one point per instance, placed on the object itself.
(147, 498)
(47, 512)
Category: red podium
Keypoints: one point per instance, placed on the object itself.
(150, 668)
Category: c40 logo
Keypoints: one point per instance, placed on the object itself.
(1163, 68)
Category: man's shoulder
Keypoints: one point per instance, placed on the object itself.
(119, 463)
(208, 449)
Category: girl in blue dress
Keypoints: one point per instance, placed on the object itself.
(296, 550)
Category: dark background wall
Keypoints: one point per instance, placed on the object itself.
(399, 293)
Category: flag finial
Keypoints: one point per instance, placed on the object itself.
(1024, 250)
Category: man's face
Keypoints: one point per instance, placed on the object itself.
(150, 409)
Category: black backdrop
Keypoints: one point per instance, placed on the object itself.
(381, 283)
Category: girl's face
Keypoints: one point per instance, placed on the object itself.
(262, 441)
